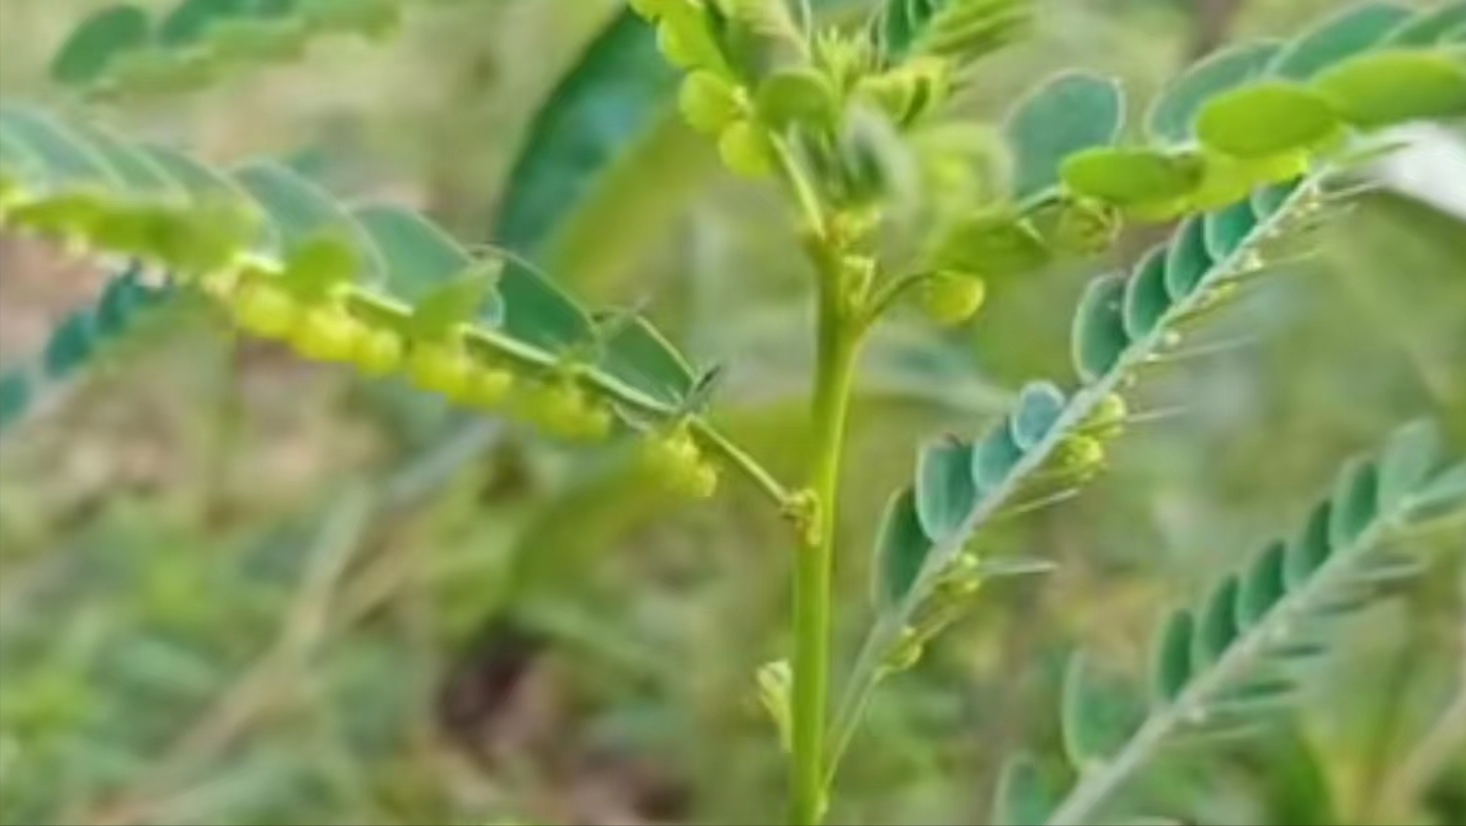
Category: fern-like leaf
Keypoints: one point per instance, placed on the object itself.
(1236, 658)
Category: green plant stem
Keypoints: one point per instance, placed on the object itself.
(838, 347)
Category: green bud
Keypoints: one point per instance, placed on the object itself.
(952, 298)
(906, 653)
(708, 102)
(1157, 211)
(265, 310)
(1107, 421)
(1082, 455)
(746, 149)
(797, 96)
(488, 387)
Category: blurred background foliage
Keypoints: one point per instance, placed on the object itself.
(239, 589)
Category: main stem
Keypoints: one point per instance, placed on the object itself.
(838, 345)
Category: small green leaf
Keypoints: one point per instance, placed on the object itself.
(1356, 503)
(1172, 659)
(995, 457)
(68, 161)
(611, 99)
(1308, 551)
(319, 265)
(1266, 119)
(1132, 177)
(1390, 87)
(1172, 117)
(1188, 260)
(191, 20)
(15, 396)
(137, 172)
(1413, 453)
(1269, 200)
(945, 491)
(1445, 494)
(1226, 230)
(456, 301)
(301, 211)
(1217, 628)
(994, 243)
(1098, 713)
(1429, 27)
(1263, 586)
(961, 29)
(85, 56)
(539, 313)
(70, 346)
(901, 549)
(637, 354)
(1336, 39)
(1099, 327)
(1069, 113)
(1024, 796)
(418, 257)
(1040, 406)
(1146, 297)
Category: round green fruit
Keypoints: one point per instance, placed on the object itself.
(952, 298)
(440, 368)
(379, 352)
(266, 310)
(328, 334)
(488, 387)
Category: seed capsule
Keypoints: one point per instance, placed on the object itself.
(266, 310)
(952, 298)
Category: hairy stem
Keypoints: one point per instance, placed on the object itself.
(837, 351)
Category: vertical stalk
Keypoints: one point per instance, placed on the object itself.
(838, 345)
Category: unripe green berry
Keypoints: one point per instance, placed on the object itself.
(952, 298)
(327, 334)
(266, 310)
(378, 352)
(1282, 167)
(488, 387)
(708, 102)
(440, 368)
(746, 149)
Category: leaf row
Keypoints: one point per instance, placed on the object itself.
(1220, 669)
(1052, 441)
(1248, 116)
(77, 340)
(291, 261)
(123, 48)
